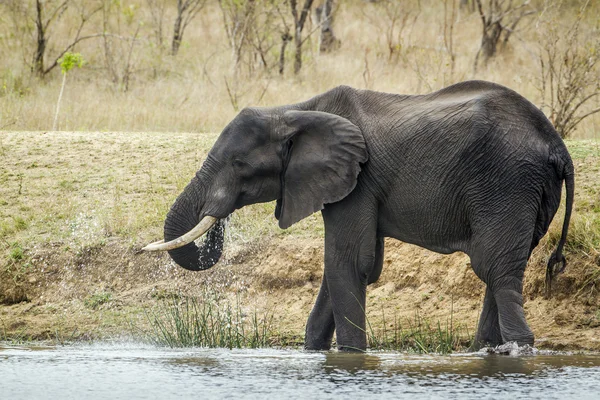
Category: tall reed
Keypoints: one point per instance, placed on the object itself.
(420, 336)
(207, 321)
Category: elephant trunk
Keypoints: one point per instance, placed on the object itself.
(184, 217)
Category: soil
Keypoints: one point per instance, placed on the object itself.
(282, 276)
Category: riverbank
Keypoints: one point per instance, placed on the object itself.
(75, 207)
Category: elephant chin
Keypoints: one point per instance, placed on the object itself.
(196, 258)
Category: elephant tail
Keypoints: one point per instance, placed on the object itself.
(557, 262)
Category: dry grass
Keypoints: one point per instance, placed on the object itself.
(188, 92)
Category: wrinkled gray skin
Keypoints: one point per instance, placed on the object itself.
(474, 168)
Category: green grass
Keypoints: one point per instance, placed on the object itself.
(16, 252)
(580, 149)
(420, 336)
(207, 321)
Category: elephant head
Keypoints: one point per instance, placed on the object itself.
(302, 159)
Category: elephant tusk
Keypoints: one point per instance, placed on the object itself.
(199, 230)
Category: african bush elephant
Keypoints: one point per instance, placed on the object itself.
(474, 167)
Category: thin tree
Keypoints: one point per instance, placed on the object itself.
(449, 19)
(67, 63)
(157, 13)
(392, 18)
(299, 21)
(42, 23)
(186, 11)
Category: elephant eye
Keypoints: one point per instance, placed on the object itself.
(237, 163)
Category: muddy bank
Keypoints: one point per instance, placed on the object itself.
(97, 292)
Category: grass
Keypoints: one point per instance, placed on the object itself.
(95, 192)
(119, 186)
(421, 336)
(207, 321)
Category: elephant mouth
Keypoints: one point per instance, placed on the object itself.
(203, 226)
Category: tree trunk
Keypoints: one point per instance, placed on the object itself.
(468, 5)
(38, 57)
(489, 41)
(328, 41)
(298, 26)
(298, 55)
(285, 39)
(177, 33)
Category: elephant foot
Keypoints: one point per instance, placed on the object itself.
(479, 344)
(351, 349)
(317, 345)
(512, 349)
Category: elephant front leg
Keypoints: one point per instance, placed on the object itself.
(320, 325)
(351, 262)
(348, 295)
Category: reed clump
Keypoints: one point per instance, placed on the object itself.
(207, 321)
(419, 335)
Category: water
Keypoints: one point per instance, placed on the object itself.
(135, 372)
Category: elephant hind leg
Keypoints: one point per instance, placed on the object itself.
(488, 330)
(511, 315)
(499, 260)
(505, 291)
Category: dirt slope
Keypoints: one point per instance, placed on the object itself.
(283, 277)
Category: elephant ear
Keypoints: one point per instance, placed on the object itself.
(322, 161)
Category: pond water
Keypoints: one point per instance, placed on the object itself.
(125, 371)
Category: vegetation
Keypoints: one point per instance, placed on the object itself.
(207, 321)
(421, 336)
(155, 63)
(569, 79)
(210, 320)
(95, 300)
(76, 218)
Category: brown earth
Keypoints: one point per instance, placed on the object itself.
(282, 277)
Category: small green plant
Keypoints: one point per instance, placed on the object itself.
(16, 253)
(18, 263)
(67, 63)
(97, 299)
(17, 338)
(20, 223)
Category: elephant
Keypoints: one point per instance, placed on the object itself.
(473, 167)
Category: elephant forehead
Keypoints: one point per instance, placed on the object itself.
(244, 133)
